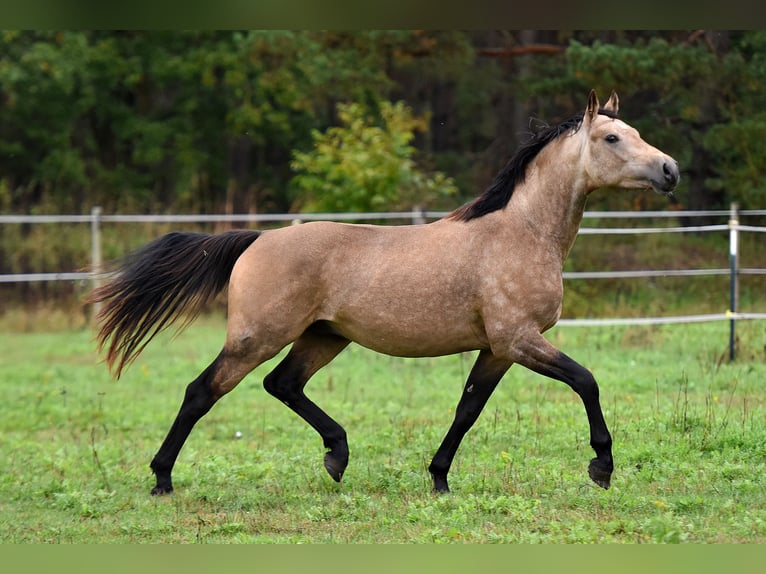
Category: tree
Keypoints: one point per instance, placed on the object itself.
(366, 164)
(209, 120)
(738, 143)
(40, 101)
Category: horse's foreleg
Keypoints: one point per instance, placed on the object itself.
(542, 357)
(309, 353)
(484, 377)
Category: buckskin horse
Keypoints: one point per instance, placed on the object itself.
(487, 278)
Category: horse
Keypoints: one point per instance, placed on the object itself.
(487, 277)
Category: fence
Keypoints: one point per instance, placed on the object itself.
(96, 219)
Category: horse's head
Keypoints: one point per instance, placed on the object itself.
(616, 156)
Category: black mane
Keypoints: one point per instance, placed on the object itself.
(498, 194)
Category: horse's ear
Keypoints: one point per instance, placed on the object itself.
(613, 103)
(591, 110)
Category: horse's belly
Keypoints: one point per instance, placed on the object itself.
(413, 338)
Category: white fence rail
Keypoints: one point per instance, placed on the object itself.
(96, 219)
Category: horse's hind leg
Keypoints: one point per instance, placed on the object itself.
(310, 352)
(485, 375)
(223, 374)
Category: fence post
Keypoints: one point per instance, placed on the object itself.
(733, 277)
(96, 262)
(418, 215)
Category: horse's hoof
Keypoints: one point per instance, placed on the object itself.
(440, 485)
(599, 474)
(334, 467)
(161, 490)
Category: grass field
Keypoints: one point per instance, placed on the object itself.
(689, 433)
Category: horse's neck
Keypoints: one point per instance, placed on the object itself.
(550, 203)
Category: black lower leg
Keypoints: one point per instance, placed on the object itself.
(484, 377)
(198, 400)
(582, 382)
(333, 435)
(580, 379)
(287, 381)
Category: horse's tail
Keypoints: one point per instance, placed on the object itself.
(172, 276)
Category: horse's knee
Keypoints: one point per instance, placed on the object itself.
(584, 384)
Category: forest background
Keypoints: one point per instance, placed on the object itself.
(287, 121)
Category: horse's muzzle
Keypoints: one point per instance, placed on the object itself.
(670, 177)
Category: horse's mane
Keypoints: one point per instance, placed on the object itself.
(498, 194)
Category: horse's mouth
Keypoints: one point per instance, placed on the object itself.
(666, 192)
(664, 187)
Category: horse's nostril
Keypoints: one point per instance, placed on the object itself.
(670, 171)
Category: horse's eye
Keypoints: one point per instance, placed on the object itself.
(611, 138)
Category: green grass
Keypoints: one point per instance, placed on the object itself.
(689, 434)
